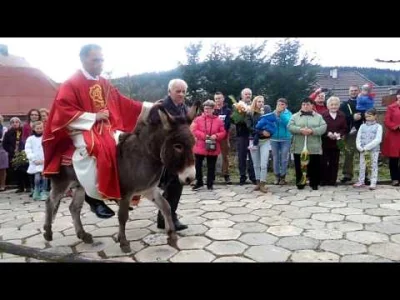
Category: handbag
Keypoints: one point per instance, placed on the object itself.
(211, 145)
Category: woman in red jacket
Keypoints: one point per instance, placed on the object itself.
(391, 142)
(208, 131)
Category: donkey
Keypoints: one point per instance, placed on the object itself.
(159, 141)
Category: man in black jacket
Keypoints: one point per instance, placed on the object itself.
(242, 144)
(174, 104)
(354, 121)
(221, 109)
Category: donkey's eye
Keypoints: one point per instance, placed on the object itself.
(178, 148)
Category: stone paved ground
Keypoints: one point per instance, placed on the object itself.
(229, 224)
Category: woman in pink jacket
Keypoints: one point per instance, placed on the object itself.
(208, 131)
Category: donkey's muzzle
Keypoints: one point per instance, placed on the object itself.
(188, 175)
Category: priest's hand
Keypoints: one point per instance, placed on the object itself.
(102, 115)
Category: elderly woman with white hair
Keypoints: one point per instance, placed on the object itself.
(13, 144)
(332, 141)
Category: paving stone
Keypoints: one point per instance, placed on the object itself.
(266, 212)
(297, 243)
(386, 250)
(285, 208)
(19, 234)
(257, 239)
(216, 215)
(114, 250)
(363, 258)
(296, 198)
(393, 206)
(232, 259)
(155, 254)
(62, 250)
(4, 231)
(375, 201)
(69, 241)
(296, 214)
(344, 226)
(219, 223)
(223, 233)
(238, 210)
(213, 207)
(210, 202)
(192, 220)
(250, 227)
(343, 247)
(193, 230)
(332, 204)
(13, 260)
(138, 224)
(365, 219)
(390, 218)
(136, 234)
(286, 230)
(112, 222)
(244, 218)
(363, 205)
(314, 256)
(105, 231)
(384, 227)
(227, 248)
(71, 231)
(16, 223)
(99, 244)
(193, 256)
(347, 211)
(275, 221)
(156, 239)
(395, 238)
(184, 206)
(324, 234)
(314, 209)
(328, 217)
(367, 237)
(121, 259)
(259, 205)
(234, 204)
(267, 253)
(193, 242)
(382, 212)
(303, 203)
(308, 224)
(277, 202)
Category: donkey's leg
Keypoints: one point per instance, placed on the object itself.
(123, 215)
(75, 208)
(156, 197)
(58, 187)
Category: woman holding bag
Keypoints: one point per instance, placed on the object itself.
(208, 131)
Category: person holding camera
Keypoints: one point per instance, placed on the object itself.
(208, 130)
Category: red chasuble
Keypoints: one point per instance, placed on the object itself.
(75, 97)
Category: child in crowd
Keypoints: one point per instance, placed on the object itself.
(35, 155)
(369, 138)
(365, 99)
(266, 122)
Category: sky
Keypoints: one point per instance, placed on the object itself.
(58, 58)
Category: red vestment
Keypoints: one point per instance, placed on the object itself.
(75, 97)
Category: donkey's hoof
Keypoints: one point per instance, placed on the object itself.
(173, 242)
(126, 248)
(86, 238)
(48, 236)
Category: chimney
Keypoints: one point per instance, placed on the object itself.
(3, 50)
(335, 73)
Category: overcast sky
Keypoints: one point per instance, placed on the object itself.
(58, 57)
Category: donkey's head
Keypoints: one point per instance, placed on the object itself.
(176, 142)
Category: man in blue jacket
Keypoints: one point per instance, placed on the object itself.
(221, 109)
(280, 141)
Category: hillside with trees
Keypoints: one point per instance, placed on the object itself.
(284, 73)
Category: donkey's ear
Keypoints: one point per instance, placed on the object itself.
(165, 118)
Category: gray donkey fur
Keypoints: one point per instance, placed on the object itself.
(159, 141)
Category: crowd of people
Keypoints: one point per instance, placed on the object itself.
(316, 135)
